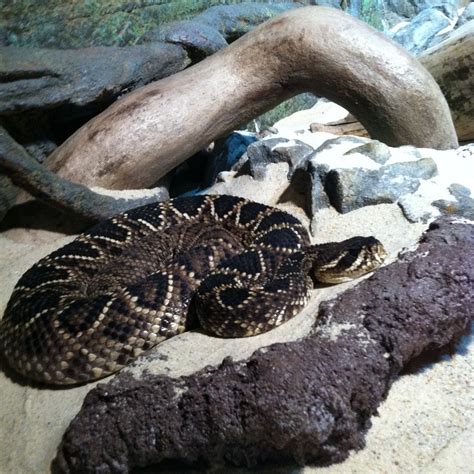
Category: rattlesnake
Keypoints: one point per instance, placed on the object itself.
(238, 267)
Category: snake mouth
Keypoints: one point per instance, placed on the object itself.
(349, 260)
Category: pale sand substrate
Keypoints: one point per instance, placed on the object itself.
(423, 425)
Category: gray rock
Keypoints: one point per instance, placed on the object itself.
(449, 8)
(77, 24)
(334, 142)
(258, 155)
(327, 3)
(211, 30)
(412, 150)
(43, 79)
(415, 208)
(418, 34)
(375, 150)
(411, 8)
(467, 15)
(226, 154)
(274, 150)
(425, 168)
(199, 39)
(200, 171)
(462, 205)
(350, 189)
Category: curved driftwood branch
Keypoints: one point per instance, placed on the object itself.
(26, 172)
(322, 50)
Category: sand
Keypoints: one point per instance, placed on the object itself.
(424, 425)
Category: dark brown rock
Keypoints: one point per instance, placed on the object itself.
(308, 401)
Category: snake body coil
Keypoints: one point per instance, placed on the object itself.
(239, 267)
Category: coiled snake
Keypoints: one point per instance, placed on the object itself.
(238, 267)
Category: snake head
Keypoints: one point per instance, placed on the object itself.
(337, 262)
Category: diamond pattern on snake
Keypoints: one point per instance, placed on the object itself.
(235, 267)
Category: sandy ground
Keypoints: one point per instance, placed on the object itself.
(423, 425)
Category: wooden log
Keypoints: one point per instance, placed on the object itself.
(321, 50)
(451, 63)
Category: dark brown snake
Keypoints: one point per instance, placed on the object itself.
(236, 267)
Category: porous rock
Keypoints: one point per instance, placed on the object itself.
(308, 401)
(78, 24)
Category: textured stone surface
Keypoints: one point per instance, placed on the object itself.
(309, 401)
(349, 189)
(41, 79)
(201, 170)
(227, 152)
(417, 35)
(273, 150)
(410, 8)
(213, 29)
(467, 15)
(77, 24)
(462, 203)
(375, 150)
(414, 208)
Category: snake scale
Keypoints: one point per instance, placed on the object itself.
(235, 267)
